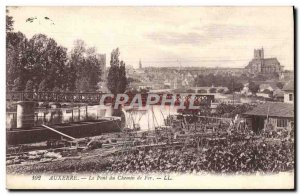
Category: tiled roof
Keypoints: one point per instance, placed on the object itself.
(289, 86)
(275, 109)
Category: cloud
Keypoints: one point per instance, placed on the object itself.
(175, 38)
(201, 35)
(226, 31)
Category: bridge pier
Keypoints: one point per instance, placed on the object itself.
(25, 114)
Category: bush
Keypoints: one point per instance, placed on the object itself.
(29, 86)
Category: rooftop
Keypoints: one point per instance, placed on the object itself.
(273, 109)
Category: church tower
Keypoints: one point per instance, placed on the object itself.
(259, 53)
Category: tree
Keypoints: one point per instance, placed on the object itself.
(92, 68)
(83, 85)
(9, 22)
(279, 85)
(224, 108)
(35, 59)
(200, 81)
(16, 60)
(56, 89)
(267, 91)
(238, 86)
(42, 86)
(17, 85)
(46, 60)
(253, 87)
(116, 79)
(233, 83)
(113, 73)
(123, 79)
(84, 65)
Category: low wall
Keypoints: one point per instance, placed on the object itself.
(77, 130)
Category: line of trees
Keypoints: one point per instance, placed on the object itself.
(231, 82)
(41, 64)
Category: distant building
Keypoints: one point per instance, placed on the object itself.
(261, 65)
(288, 89)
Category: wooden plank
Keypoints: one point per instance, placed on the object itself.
(65, 135)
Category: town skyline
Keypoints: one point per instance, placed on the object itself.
(158, 40)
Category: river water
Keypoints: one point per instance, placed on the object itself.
(146, 117)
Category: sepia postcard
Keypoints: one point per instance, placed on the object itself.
(159, 98)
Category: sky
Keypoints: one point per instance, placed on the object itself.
(168, 36)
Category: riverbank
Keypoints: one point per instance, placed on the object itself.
(225, 158)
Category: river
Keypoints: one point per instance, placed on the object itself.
(147, 118)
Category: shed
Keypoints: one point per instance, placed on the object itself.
(279, 114)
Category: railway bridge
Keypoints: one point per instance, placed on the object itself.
(94, 98)
(26, 101)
